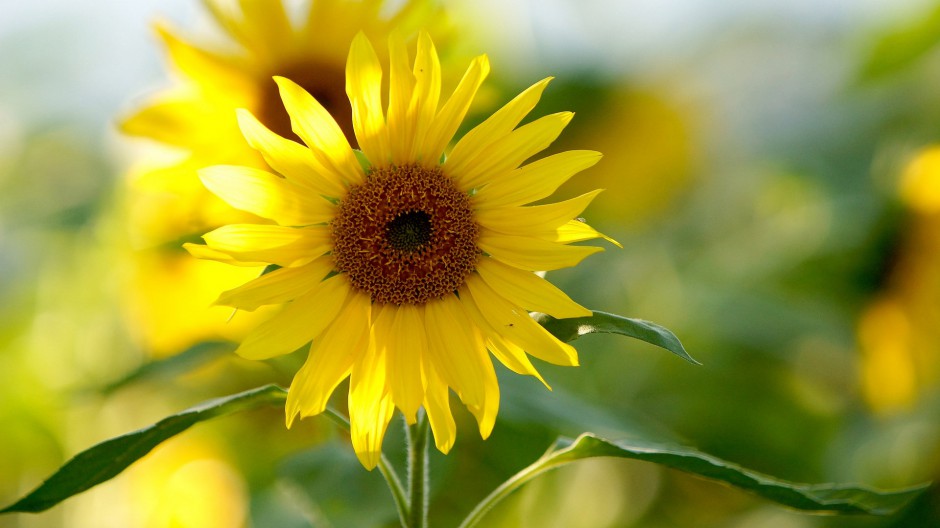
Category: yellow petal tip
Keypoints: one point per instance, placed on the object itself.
(368, 459)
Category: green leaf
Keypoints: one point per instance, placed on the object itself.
(830, 498)
(897, 48)
(187, 360)
(819, 498)
(107, 459)
(605, 323)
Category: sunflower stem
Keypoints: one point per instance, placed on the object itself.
(417, 438)
(398, 491)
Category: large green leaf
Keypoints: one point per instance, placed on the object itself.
(820, 498)
(606, 323)
(105, 460)
(833, 498)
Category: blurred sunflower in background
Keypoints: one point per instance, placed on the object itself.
(402, 268)
(195, 118)
(899, 329)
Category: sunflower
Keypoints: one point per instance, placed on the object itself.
(167, 205)
(404, 269)
(198, 114)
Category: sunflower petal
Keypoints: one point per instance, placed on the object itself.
(330, 360)
(437, 404)
(223, 13)
(266, 25)
(406, 342)
(509, 354)
(370, 406)
(457, 351)
(284, 246)
(400, 88)
(266, 195)
(532, 254)
(507, 153)
(300, 321)
(319, 130)
(495, 127)
(293, 160)
(576, 231)
(178, 120)
(277, 287)
(450, 116)
(206, 253)
(534, 219)
(535, 180)
(527, 290)
(217, 72)
(515, 325)
(427, 90)
(364, 88)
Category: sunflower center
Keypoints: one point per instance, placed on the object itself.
(405, 236)
(325, 82)
(409, 231)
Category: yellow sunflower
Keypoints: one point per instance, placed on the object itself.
(405, 271)
(198, 114)
(165, 205)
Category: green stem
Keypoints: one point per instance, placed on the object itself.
(505, 489)
(417, 437)
(398, 492)
(391, 478)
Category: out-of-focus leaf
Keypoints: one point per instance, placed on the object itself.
(821, 498)
(107, 459)
(898, 48)
(606, 323)
(187, 360)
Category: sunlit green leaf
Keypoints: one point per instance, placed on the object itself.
(820, 498)
(606, 323)
(107, 459)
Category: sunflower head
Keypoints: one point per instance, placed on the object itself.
(306, 41)
(403, 272)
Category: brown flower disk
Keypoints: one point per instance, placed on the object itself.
(405, 236)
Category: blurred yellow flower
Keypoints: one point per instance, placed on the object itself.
(187, 483)
(403, 273)
(198, 115)
(900, 329)
(920, 184)
(166, 205)
(648, 155)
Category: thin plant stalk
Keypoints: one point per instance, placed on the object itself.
(417, 437)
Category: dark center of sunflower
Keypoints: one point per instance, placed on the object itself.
(405, 236)
(409, 231)
(325, 82)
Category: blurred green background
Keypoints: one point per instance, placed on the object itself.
(769, 172)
